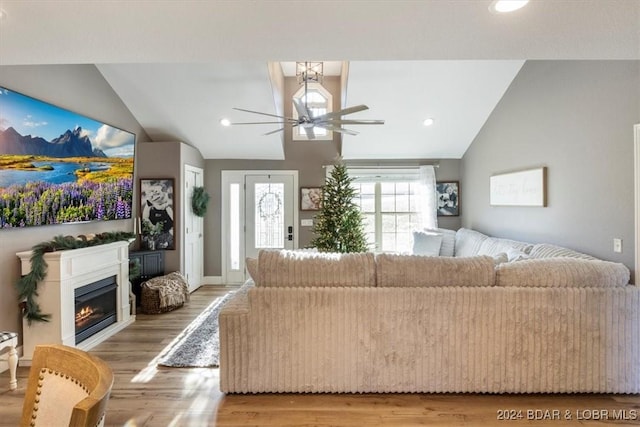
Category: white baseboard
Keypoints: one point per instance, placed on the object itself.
(212, 280)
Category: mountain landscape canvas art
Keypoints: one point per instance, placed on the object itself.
(57, 166)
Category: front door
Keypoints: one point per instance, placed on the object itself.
(269, 213)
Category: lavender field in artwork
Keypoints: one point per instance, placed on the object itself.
(60, 167)
(40, 203)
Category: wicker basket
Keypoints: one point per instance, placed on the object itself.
(150, 301)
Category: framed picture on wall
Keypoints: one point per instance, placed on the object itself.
(448, 198)
(520, 188)
(156, 210)
(310, 198)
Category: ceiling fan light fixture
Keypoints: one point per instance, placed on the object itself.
(225, 122)
(428, 122)
(506, 6)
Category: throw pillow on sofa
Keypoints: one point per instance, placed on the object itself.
(394, 270)
(426, 243)
(493, 246)
(516, 255)
(448, 240)
(562, 272)
(500, 258)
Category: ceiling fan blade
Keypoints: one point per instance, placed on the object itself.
(343, 112)
(264, 114)
(274, 131)
(309, 131)
(258, 123)
(354, 122)
(301, 109)
(339, 129)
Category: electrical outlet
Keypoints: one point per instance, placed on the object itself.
(617, 245)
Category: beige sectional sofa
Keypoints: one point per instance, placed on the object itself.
(551, 320)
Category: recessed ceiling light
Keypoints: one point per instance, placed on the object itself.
(225, 122)
(428, 122)
(505, 6)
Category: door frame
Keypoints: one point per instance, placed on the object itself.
(636, 180)
(238, 177)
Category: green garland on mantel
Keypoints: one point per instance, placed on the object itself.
(28, 285)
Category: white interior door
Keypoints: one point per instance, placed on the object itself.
(636, 145)
(269, 213)
(193, 230)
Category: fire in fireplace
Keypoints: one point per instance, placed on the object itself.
(95, 307)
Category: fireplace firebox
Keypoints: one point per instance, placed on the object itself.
(95, 307)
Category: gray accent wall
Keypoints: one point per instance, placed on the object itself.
(309, 163)
(167, 160)
(79, 88)
(576, 118)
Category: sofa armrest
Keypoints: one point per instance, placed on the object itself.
(233, 328)
(239, 303)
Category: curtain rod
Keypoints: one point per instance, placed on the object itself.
(435, 165)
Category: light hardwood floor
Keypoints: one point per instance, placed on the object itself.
(144, 395)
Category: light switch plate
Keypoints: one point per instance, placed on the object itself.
(306, 222)
(617, 245)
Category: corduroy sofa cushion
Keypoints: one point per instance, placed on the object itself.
(468, 242)
(295, 268)
(547, 250)
(394, 270)
(562, 272)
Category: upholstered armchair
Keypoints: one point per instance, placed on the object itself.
(66, 386)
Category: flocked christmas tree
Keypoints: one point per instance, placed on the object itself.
(339, 227)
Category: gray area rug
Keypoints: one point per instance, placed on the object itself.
(198, 346)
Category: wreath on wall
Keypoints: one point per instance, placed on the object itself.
(199, 201)
(27, 286)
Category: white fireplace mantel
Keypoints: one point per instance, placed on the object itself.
(68, 270)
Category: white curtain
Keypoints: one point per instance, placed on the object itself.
(427, 193)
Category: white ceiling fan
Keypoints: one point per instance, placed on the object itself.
(332, 121)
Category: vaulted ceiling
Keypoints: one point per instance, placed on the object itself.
(180, 66)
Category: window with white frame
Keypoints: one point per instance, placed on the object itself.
(319, 101)
(389, 203)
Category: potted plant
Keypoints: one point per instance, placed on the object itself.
(150, 233)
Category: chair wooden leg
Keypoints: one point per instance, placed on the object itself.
(13, 365)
